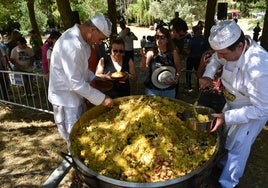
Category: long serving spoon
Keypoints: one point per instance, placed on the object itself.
(196, 102)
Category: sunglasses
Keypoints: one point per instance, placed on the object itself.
(118, 51)
(158, 37)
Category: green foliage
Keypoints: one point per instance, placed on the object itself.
(253, 2)
(140, 12)
(87, 8)
(9, 13)
(145, 11)
(16, 10)
(25, 21)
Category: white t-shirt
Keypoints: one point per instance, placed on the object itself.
(49, 52)
(22, 56)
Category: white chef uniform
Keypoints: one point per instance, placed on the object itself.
(246, 109)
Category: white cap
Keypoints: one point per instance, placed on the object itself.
(224, 34)
(103, 24)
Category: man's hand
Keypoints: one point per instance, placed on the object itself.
(217, 122)
(204, 82)
(108, 102)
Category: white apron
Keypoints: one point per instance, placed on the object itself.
(240, 137)
(234, 97)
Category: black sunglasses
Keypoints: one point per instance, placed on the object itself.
(157, 37)
(118, 51)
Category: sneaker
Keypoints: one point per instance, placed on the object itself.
(187, 89)
(190, 90)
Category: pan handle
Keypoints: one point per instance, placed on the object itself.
(67, 157)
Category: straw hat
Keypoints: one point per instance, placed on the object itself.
(162, 75)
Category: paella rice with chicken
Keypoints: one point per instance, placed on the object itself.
(141, 140)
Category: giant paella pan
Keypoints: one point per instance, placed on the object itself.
(141, 142)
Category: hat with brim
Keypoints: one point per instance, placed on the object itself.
(224, 34)
(162, 75)
(103, 24)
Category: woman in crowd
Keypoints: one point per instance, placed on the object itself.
(22, 57)
(164, 66)
(53, 40)
(117, 62)
(47, 44)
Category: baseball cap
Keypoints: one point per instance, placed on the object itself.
(103, 24)
(224, 34)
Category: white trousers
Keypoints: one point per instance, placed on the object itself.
(234, 162)
(65, 118)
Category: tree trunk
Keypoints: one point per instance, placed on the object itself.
(112, 16)
(210, 13)
(264, 36)
(30, 6)
(66, 13)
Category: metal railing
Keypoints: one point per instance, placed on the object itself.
(29, 90)
(15, 90)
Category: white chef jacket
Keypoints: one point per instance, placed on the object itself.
(250, 80)
(69, 74)
(246, 115)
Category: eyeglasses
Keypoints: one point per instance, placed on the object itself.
(118, 51)
(158, 37)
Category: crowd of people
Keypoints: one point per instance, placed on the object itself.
(231, 69)
(19, 55)
(16, 55)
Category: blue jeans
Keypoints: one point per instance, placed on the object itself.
(163, 93)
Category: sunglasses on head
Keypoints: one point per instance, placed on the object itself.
(157, 37)
(118, 51)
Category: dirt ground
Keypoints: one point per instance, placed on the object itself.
(30, 147)
(29, 144)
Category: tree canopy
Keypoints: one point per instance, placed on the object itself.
(40, 14)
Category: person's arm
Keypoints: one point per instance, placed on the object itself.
(177, 63)
(203, 63)
(202, 66)
(145, 59)
(49, 51)
(210, 71)
(212, 67)
(4, 59)
(100, 70)
(13, 59)
(133, 36)
(31, 53)
(122, 34)
(132, 70)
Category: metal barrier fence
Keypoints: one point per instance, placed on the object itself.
(29, 90)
